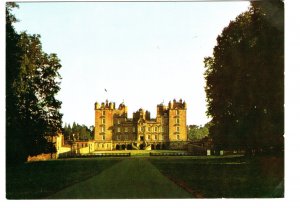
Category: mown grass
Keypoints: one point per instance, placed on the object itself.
(37, 180)
(228, 177)
(133, 178)
(207, 177)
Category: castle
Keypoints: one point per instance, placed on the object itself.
(115, 131)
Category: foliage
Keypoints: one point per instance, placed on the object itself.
(32, 111)
(196, 133)
(78, 132)
(245, 79)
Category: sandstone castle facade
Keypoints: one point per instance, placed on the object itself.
(115, 131)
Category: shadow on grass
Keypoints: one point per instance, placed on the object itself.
(37, 180)
(236, 177)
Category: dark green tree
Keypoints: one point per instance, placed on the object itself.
(92, 131)
(80, 132)
(245, 80)
(196, 133)
(32, 83)
(67, 131)
(13, 58)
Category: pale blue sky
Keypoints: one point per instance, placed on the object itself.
(142, 52)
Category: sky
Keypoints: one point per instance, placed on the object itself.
(142, 53)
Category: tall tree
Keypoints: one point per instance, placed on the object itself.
(13, 57)
(245, 79)
(33, 81)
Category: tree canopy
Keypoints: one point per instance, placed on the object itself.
(32, 81)
(78, 132)
(245, 79)
(197, 133)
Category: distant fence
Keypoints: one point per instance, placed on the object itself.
(95, 155)
(177, 153)
(112, 154)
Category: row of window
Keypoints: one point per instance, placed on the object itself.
(165, 114)
(102, 145)
(152, 129)
(141, 129)
(149, 137)
(125, 129)
(119, 122)
(155, 137)
(149, 129)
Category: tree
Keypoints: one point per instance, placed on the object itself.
(245, 79)
(32, 83)
(92, 131)
(67, 131)
(13, 56)
(80, 132)
(196, 133)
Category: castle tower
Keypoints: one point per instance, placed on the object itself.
(104, 121)
(177, 121)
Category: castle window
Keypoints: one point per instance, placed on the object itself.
(133, 129)
(177, 112)
(103, 120)
(103, 137)
(177, 128)
(119, 121)
(155, 129)
(103, 113)
(149, 129)
(178, 137)
(118, 129)
(102, 128)
(126, 129)
(177, 120)
(155, 137)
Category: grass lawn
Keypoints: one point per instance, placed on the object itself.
(140, 177)
(40, 179)
(226, 177)
(132, 178)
